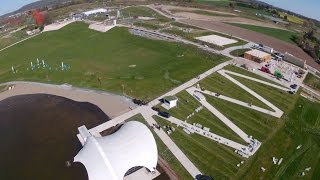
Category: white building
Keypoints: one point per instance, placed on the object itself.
(95, 11)
(110, 157)
(170, 101)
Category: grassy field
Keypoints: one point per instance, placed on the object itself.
(164, 152)
(208, 156)
(187, 105)
(115, 61)
(301, 128)
(312, 81)
(148, 25)
(9, 39)
(300, 124)
(218, 84)
(292, 19)
(276, 33)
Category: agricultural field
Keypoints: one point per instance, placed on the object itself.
(291, 18)
(164, 152)
(279, 137)
(312, 81)
(115, 61)
(283, 35)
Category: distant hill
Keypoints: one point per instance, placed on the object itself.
(37, 4)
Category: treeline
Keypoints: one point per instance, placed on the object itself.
(309, 43)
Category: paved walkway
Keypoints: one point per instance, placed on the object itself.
(221, 117)
(235, 101)
(183, 159)
(257, 80)
(276, 109)
(206, 134)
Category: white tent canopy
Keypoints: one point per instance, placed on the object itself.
(110, 157)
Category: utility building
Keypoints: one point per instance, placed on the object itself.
(294, 60)
(170, 101)
(257, 56)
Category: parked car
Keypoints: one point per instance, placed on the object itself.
(164, 114)
(155, 109)
(293, 86)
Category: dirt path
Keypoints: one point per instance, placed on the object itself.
(256, 37)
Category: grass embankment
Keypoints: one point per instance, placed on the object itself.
(283, 35)
(164, 152)
(202, 12)
(239, 52)
(312, 81)
(115, 61)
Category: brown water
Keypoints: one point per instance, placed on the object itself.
(38, 135)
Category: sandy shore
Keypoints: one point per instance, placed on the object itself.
(111, 104)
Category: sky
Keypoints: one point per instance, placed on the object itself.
(309, 8)
(7, 6)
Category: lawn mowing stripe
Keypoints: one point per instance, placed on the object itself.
(206, 118)
(236, 115)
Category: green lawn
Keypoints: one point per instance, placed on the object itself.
(218, 84)
(276, 33)
(300, 124)
(312, 81)
(9, 39)
(208, 156)
(164, 152)
(115, 61)
(187, 105)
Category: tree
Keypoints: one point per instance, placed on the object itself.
(285, 17)
(231, 5)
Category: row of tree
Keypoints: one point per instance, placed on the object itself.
(309, 43)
